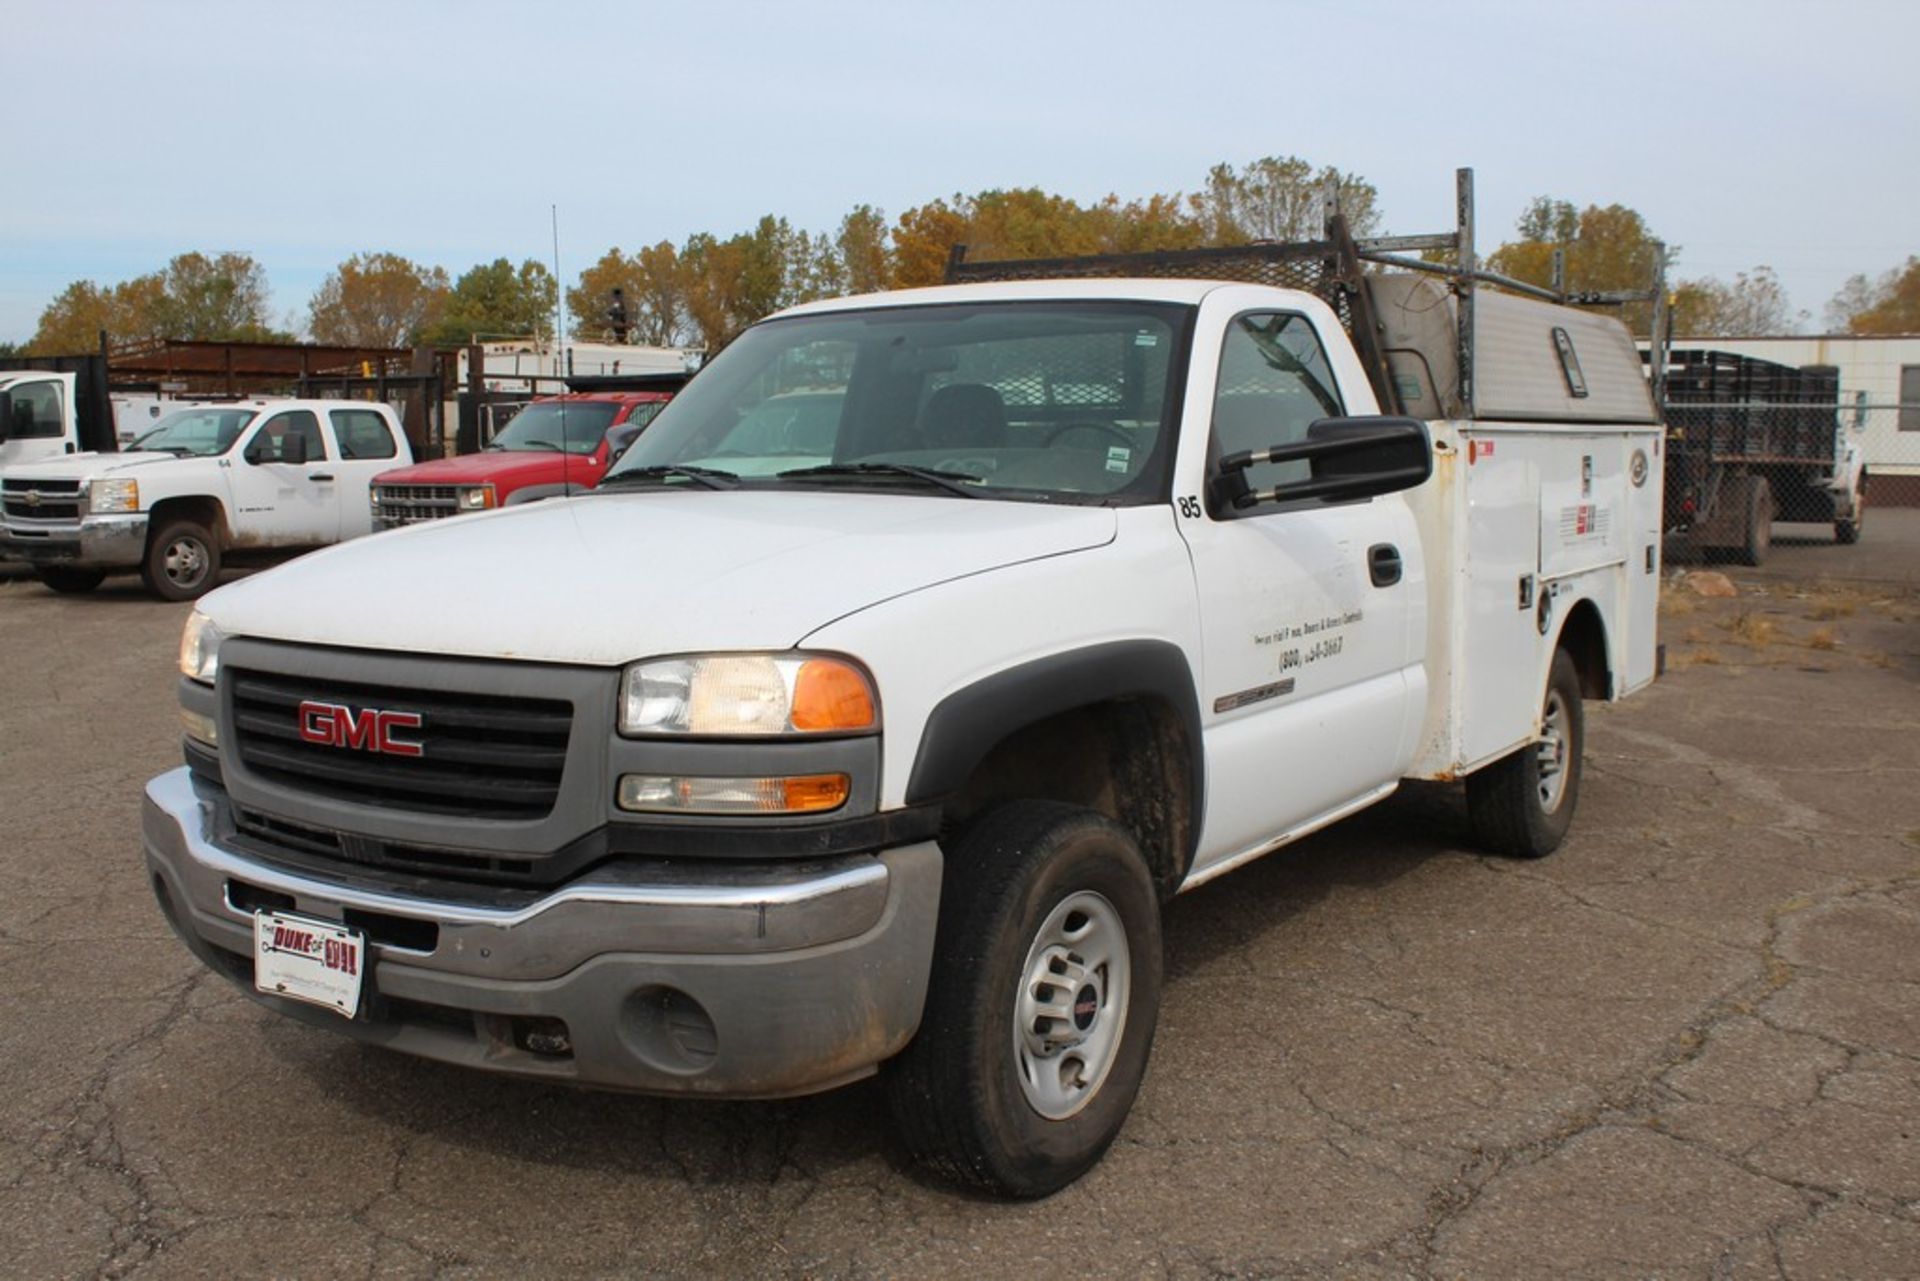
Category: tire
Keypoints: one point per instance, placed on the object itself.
(982, 1095)
(182, 562)
(68, 580)
(1848, 530)
(1516, 806)
(1759, 522)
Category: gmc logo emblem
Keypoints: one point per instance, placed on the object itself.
(369, 730)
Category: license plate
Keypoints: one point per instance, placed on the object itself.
(308, 960)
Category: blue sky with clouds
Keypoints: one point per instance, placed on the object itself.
(1764, 131)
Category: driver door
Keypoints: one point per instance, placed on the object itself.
(284, 484)
(1305, 698)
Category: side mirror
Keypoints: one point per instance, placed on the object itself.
(6, 415)
(1350, 458)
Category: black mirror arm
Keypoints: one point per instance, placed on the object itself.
(1333, 487)
(1322, 447)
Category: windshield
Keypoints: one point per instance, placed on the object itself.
(1045, 401)
(199, 432)
(573, 426)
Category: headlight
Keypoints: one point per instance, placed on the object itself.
(747, 694)
(476, 498)
(113, 495)
(200, 649)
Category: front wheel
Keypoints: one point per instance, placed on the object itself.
(182, 563)
(1042, 1004)
(1522, 804)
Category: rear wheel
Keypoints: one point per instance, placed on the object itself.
(1522, 805)
(63, 578)
(1042, 1004)
(1759, 521)
(182, 563)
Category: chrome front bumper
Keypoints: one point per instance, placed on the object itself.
(748, 979)
(97, 542)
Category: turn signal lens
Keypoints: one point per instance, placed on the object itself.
(669, 794)
(200, 727)
(830, 695)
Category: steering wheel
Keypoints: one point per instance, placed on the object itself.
(1089, 424)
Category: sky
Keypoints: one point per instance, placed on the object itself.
(1750, 132)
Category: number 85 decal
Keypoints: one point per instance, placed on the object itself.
(1190, 507)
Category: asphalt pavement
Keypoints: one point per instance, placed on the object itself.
(1687, 1044)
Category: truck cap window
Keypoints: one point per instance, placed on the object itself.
(1058, 402)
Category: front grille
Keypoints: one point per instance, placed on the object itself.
(410, 504)
(481, 756)
(275, 836)
(48, 500)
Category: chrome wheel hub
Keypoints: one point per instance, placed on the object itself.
(1072, 1005)
(1551, 752)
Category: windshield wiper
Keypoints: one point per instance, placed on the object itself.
(711, 477)
(952, 481)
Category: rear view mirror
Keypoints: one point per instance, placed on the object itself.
(1350, 458)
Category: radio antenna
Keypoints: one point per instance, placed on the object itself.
(559, 341)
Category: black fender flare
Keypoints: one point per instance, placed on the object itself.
(968, 723)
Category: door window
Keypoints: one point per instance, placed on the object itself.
(271, 444)
(361, 433)
(1274, 383)
(36, 412)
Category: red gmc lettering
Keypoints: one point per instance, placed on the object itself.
(369, 729)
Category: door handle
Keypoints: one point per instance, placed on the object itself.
(1383, 564)
(320, 475)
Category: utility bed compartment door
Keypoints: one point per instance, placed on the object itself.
(1584, 523)
(1498, 642)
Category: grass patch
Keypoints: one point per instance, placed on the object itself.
(1752, 629)
(1821, 638)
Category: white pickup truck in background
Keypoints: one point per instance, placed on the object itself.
(200, 484)
(788, 756)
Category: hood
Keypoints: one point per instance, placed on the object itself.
(610, 578)
(507, 468)
(87, 465)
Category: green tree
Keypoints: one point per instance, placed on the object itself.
(1279, 198)
(496, 299)
(866, 262)
(1889, 304)
(1607, 248)
(378, 300)
(220, 299)
(1752, 304)
(223, 299)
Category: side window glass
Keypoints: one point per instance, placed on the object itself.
(1274, 383)
(36, 411)
(361, 433)
(274, 442)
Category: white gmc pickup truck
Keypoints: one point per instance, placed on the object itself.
(780, 760)
(202, 482)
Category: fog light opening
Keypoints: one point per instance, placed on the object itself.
(545, 1037)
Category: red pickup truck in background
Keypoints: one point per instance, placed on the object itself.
(556, 445)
